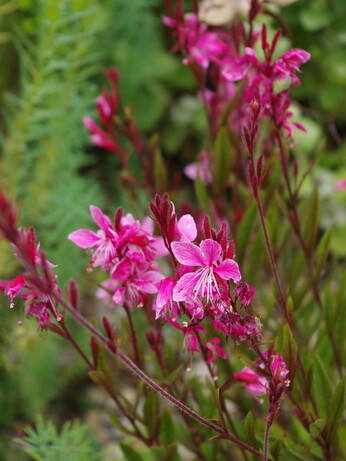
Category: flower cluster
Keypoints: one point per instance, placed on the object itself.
(224, 57)
(37, 287)
(273, 375)
(126, 250)
(107, 104)
(204, 285)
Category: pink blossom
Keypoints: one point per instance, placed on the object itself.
(105, 240)
(239, 328)
(205, 281)
(186, 229)
(200, 45)
(245, 292)
(99, 137)
(340, 185)
(201, 169)
(214, 350)
(164, 303)
(255, 384)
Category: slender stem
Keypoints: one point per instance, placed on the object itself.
(70, 338)
(137, 357)
(272, 261)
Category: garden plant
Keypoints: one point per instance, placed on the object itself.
(211, 311)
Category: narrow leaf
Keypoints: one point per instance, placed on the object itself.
(249, 429)
(321, 386)
(335, 410)
(275, 449)
(151, 414)
(223, 158)
(129, 453)
(311, 220)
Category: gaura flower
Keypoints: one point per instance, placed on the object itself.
(104, 241)
(204, 281)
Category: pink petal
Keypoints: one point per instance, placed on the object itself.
(84, 238)
(185, 285)
(101, 219)
(211, 251)
(187, 227)
(191, 170)
(228, 269)
(188, 254)
(259, 388)
(149, 280)
(165, 292)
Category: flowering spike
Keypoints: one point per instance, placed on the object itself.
(206, 227)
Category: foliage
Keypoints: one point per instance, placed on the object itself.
(72, 443)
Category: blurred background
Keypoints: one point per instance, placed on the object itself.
(52, 55)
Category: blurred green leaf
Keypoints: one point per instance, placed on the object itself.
(223, 160)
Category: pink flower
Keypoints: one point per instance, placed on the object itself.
(288, 64)
(200, 45)
(255, 384)
(205, 281)
(245, 292)
(201, 169)
(164, 303)
(186, 228)
(239, 328)
(99, 137)
(340, 185)
(105, 240)
(214, 351)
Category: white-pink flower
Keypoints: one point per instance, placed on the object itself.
(204, 281)
(105, 240)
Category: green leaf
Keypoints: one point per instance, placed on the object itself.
(249, 429)
(316, 427)
(320, 385)
(335, 411)
(223, 158)
(244, 231)
(275, 449)
(167, 432)
(311, 220)
(289, 352)
(129, 453)
(151, 412)
(321, 253)
(160, 172)
(202, 195)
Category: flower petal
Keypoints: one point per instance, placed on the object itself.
(211, 251)
(101, 219)
(187, 228)
(228, 269)
(185, 285)
(165, 292)
(188, 254)
(84, 238)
